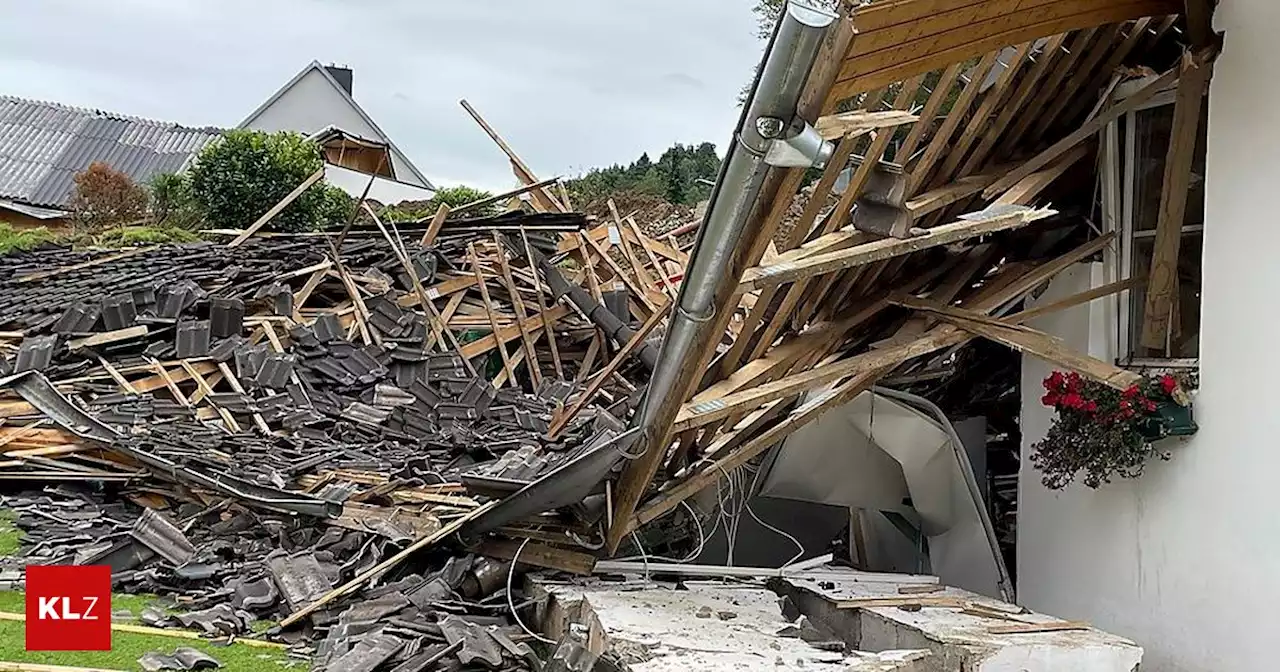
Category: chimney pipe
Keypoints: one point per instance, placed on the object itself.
(342, 74)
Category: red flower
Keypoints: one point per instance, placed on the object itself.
(1073, 400)
(1168, 383)
(1131, 392)
(1149, 405)
(1050, 399)
(1054, 382)
(1073, 381)
(1090, 406)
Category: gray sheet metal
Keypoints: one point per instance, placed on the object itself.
(562, 486)
(879, 454)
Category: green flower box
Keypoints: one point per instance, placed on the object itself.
(1170, 419)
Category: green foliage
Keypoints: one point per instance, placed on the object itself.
(20, 240)
(106, 197)
(454, 197)
(458, 196)
(173, 204)
(129, 236)
(676, 176)
(238, 178)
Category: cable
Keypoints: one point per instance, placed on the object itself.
(799, 546)
(643, 556)
(511, 575)
(702, 543)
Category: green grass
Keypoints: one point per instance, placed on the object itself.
(10, 535)
(127, 647)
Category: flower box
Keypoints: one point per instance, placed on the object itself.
(1102, 432)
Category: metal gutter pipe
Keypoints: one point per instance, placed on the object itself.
(768, 134)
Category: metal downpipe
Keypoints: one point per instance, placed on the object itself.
(775, 95)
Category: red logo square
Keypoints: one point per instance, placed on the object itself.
(68, 608)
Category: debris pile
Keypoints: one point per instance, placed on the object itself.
(289, 428)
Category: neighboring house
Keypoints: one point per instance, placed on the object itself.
(317, 102)
(43, 145)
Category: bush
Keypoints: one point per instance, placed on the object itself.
(129, 236)
(22, 240)
(454, 197)
(173, 204)
(242, 175)
(106, 197)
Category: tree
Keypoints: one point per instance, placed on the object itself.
(677, 176)
(106, 197)
(242, 175)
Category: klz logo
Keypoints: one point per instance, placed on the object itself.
(68, 608)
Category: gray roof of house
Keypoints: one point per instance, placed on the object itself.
(43, 145)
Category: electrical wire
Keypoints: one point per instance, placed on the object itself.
(644, 557)
(799, 546)
(511, 575)
(702, 543)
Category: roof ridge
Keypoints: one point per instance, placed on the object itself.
(107, 113)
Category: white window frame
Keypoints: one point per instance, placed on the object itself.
(1117, 194)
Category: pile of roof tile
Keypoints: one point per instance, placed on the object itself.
(293, 429)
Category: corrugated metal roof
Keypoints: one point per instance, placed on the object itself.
(43, 146)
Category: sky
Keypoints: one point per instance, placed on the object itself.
(570, 84)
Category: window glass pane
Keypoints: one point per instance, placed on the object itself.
(1186, 338)
(1152, 138)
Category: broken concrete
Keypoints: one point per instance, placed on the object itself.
(656, 628)
(961, 637)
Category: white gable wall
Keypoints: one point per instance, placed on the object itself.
(1184, 560)
(313, 104)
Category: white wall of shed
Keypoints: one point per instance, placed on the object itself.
(1183, 560)
(313, 104)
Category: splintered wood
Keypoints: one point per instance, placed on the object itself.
(963, 167)
(959, 133)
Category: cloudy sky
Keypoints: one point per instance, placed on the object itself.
(570, 84)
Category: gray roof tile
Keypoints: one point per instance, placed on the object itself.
(43, 146)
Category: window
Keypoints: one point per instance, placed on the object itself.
(1135, 148)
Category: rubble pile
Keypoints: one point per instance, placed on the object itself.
(280, 431)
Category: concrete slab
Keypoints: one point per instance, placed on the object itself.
(656, 628)
(960, 630)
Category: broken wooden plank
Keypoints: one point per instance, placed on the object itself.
(381, 567)
(108, 337)
(541, 555)
(517, 303)
(860, 122)
(1158, 328)
(756, 278)
(1042, 345)
(493, 321)
(1086, 131)
(1026, 628)
(433, 229)
(277, 208)
(634, 344)
(541, 196)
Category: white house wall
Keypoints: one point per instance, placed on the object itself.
(313, 104)
(1184, 561)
